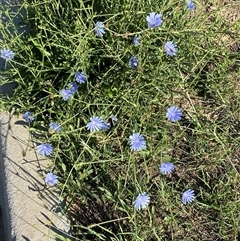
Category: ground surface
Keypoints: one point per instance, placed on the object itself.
(31, 203)
(2, 234)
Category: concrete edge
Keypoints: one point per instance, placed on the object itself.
(29, 210)
(4, 198)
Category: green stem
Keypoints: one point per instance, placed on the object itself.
(29, 133)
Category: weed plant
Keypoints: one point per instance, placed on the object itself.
(123, 174)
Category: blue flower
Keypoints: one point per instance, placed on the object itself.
(99, 29)
(133, 62)
(188, 196)
(66, 94)
(80, 77)
(170, 48)
(45, 149)
(96, 124)
(166, 167)
(114, 118)
(51, 179)
(55, 127)
(73, 87)
(137, 142)
(136, 40)
(28, 116)
(7, 54)
(106, 126)
(191, 5)
(141, 201)
(154, 20)
(174, 114)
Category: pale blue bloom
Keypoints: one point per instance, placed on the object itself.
(114, 118)
(28, 116)
(133, 62)
(106, 126)
(7, 54)
(136, 40)
(154, 20)
(188, 196)
(51, 179)
(99, 29)
(80, 77)
(66, 94)
(96, 124)
(170, 48)
(45, 149)
(141, 201)
(55, 127)
(73, 87)
(191, 5)
(174, 114)
(137, 142)
(166, 168)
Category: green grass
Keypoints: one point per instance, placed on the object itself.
(99, 176)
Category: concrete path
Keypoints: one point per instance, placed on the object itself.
(30, 210)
